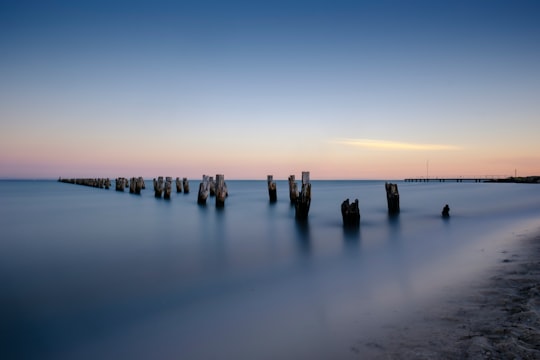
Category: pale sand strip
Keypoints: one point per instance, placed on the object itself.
(497, 317)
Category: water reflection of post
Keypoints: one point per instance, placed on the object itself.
(398, 262)
(219, 251)
(351, 237)
(394, 225)
(302, 236)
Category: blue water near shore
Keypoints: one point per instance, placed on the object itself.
(89, 273)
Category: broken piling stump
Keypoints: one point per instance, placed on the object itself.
(167, 188)
(185, 183)
(446, 211)
(304, 198)
(178, 185)
(102, 183)
(132, 184)
(158, 187)
(350, 213)
(120, 184)
(203, 191)
(272, 189)
(135, 185)
(392, 197)
(293, 189)
(221, 190)
(139, 185)
(212, 186)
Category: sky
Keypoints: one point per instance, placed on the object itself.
(344, 89)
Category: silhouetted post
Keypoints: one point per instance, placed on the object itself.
(392, 197)
(107, 183)
(350, 213)
(221, 190)
(178, 185)
(168, 188)
(203, 191)
(304, 198)
(293, 189)
(272, 189)
(185, 183)
(445, 211)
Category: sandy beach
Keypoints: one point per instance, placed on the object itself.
(494, 317)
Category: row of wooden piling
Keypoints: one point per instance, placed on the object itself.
(214, 188)
(164, 187)
(102, 183)
(301, 200)
(350, 211)
(217, 188)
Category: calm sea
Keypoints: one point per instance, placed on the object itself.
(89, 273)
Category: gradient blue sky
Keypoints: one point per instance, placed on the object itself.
(345, 89)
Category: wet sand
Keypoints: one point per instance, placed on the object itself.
(494, 317)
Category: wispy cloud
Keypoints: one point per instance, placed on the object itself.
(393, 145)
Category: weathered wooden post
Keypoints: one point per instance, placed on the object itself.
(141, 180)
(212, 186)
(139, 185)
(221, 190)
(178, 185)
(158, 187)
(446, 211)
(392, 197)
(293, 189)
(168, 188)
(304, 198)
(185, 183)
(120, 186)
(272, 188)
(132, 185)
(350, 213)
(203, 191)
(107, 183)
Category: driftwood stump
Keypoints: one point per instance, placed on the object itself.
(350, 213)
(304, 198)
(272, 189)
(392, 197)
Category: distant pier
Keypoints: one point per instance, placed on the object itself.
(459, 179)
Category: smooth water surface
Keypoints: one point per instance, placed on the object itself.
(90, 273)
